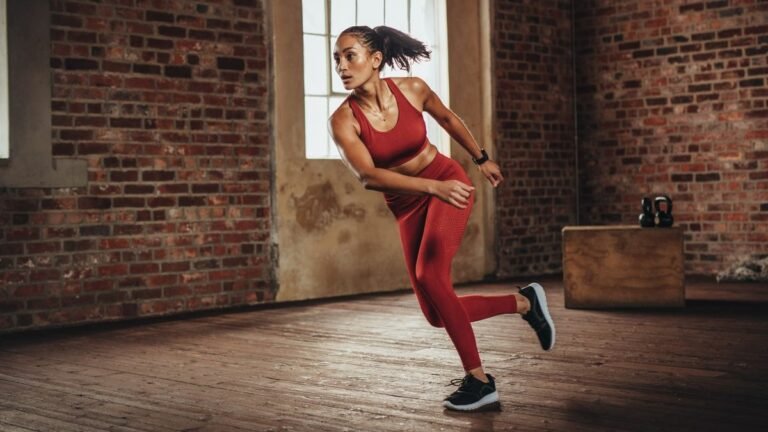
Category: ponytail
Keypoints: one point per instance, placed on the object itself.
(398, 49)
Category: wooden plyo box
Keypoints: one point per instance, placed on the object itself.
(623, 266)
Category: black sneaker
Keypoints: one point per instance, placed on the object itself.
(538, 317)
(473, 395)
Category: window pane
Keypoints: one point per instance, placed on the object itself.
(428, 72)
(316, 65)
(3, 84)
(423, 20)
(333, 152)
(343, 14)
(396, 12)
(316, 127)
(333, 104)
(370, 12)
(336, 85)
(313, 13)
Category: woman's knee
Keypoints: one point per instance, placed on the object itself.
(434, 320)
(430, 277)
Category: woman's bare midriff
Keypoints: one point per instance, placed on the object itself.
(418, 163)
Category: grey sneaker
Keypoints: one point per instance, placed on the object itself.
(538, 317)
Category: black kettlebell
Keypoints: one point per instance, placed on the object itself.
(646, 217)
(663, 206)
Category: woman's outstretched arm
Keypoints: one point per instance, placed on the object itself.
(455, 127)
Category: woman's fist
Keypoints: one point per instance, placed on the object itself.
(454, 192)
(492, 172)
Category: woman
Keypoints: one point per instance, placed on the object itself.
(381, 136)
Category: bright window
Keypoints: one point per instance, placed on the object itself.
(323, 20)
(4, 144)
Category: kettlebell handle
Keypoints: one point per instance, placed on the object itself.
(663, 199)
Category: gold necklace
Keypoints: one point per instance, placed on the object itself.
(380, 114)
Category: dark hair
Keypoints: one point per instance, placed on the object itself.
(397, 48)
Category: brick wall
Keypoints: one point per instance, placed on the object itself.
(534, 133)
(167, 100)
(672, 98)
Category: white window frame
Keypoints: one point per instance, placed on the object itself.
(4, 123)
(439, 48)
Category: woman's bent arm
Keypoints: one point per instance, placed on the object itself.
(358, 159)
(455, 127)
(446, 118)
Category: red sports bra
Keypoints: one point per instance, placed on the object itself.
(399, 144)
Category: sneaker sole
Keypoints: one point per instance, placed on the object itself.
(487, 403)
(542, 298)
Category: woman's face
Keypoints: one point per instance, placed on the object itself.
(354, 62)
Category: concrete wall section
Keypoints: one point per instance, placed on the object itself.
(333, 237)
(470, 72)
(30, 162)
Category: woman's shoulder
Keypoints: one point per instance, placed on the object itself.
(413, 85)
(343, 111)
(343, 114)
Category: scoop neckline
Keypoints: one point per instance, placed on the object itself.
(397, 102)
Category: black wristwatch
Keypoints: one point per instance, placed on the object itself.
(482, 159)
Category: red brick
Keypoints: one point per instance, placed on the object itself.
(144, 268)
(39, 247)
(21, 234)
(86, 203)
(176, 266)
(114, 243)
(78, 245)
(161, 280)
(160, 307)
(44, 275)
(128, 202)
(44, 303)
(97, 285)
(122, 230)
(161, 202)
(113, 270)
(79, 300)
(655, 121)
(176, 291)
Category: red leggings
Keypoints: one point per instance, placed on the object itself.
(431, 231)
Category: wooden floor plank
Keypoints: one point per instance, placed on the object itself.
(373, 363)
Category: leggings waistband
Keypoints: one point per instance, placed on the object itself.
(441, 167)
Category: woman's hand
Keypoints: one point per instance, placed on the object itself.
(492, 172)
(453, 192)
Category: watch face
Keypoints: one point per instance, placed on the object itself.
(482, 158)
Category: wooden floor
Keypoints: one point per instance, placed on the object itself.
(373, 364)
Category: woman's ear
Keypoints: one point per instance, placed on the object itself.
(377, 57)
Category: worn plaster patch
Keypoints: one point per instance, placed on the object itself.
(355, 212)
(319, 206)
(471, 233)
(344, 237)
